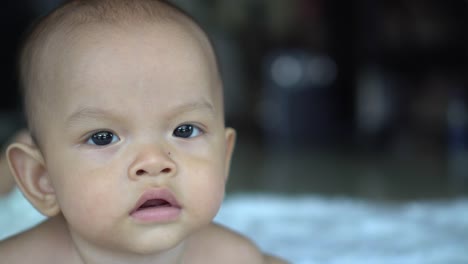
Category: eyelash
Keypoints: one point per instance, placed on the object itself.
(101, 138)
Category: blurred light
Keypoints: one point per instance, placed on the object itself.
(287, 71)
(303, 71)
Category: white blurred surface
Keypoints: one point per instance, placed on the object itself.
(311, 229)
(16, 214)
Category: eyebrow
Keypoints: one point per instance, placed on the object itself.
(87, 112)
(193, 106)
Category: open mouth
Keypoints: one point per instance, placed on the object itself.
(154, 203)
(153, 199)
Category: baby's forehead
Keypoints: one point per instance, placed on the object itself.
(162, 53)
(58, 35)
(95, 50)
(68, 47)
(161, 46)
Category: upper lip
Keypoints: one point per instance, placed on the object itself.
(153, 194)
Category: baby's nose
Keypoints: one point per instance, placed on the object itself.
(152, 162)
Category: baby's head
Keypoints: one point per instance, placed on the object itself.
(61, 38)
(124, 101)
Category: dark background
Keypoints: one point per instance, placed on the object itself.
(339, 98)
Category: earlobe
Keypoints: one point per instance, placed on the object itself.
(28, 168)
(230, 139)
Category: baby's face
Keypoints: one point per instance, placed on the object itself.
(134, 119)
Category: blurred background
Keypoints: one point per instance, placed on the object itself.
(358, 98)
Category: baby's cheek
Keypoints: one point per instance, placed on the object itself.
(206, 193)
(91, 214)
(88, 199)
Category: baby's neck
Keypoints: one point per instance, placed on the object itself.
(93, 257)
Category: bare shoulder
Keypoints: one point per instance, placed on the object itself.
(269, 259)
(227, 246)
(12, 249)
(40, 243)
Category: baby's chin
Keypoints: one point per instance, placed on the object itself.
(155, 241)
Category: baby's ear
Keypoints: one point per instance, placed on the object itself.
(28, 168)
(230, 141)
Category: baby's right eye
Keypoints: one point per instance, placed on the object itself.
(102, 138)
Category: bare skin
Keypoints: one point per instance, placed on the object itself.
(224, 246)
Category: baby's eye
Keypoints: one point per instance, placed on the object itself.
(187, 131)
(102, 138)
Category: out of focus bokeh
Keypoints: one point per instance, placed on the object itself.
(362, 98)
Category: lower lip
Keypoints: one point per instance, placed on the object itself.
(157, 214)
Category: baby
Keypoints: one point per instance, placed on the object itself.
(129, 154)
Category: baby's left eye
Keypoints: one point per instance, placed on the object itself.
(102, 138)
(187, 131)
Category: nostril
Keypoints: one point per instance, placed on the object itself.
(142, 172)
